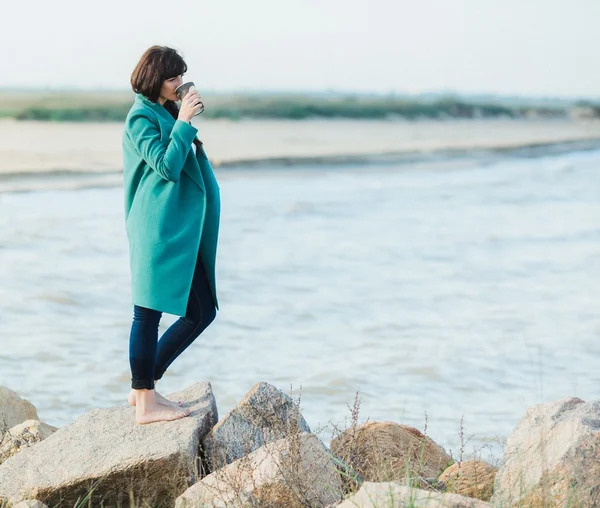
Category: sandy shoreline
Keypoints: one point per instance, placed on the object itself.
(42, 147)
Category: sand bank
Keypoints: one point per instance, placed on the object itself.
(42, 147)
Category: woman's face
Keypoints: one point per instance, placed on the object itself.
(167, 90)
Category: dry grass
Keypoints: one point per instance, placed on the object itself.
(3, 434)
(382, 452)
(240, 486)
(276, 475)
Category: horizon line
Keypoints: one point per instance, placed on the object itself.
(324, 91)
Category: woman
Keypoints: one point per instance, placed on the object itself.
(172, 208)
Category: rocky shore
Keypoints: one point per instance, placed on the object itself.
(263, 453)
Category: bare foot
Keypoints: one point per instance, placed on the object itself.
(159, 398)
(149, 410)
(159, 413)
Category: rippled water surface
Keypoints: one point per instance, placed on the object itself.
(454, 289)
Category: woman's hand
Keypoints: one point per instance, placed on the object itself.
(190, 105)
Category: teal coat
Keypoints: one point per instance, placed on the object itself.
(172, 208)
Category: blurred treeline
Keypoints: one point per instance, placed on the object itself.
(81, 106)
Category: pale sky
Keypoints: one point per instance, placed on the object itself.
(522, 47)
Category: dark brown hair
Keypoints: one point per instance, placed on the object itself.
(157, 64)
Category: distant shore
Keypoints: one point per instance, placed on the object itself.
(30, 149)
(106, 106)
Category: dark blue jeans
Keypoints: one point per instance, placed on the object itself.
(149, 357)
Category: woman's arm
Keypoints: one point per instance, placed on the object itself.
(168, 160)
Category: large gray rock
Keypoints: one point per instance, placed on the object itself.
(105, 450)
(396, 495)
(23, 435)
(551, 457)
(265, 414)
(291, 472)
(14, 410)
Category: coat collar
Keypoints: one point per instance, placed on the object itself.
(155, 106)
(193, 173)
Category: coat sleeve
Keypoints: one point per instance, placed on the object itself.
(168, 160)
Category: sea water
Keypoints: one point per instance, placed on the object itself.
(450, 295)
